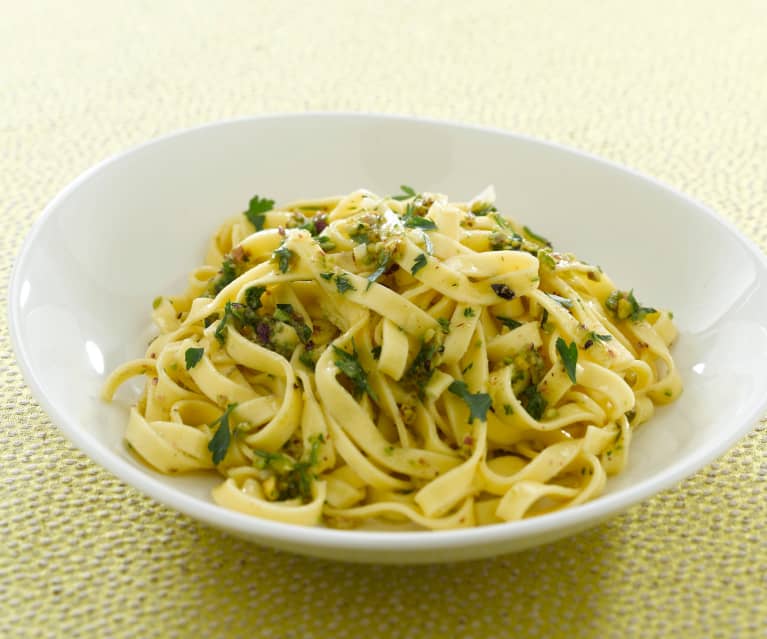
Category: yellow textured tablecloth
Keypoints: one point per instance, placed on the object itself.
(677, 90)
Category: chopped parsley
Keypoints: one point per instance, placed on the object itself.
(422, 368)
(592, 337)
(253, 297)
(508, 409)
(326, 244)
(508, 322)
(192, 357)
(157, 301)
(535, 237)
(287, 315)
(444, 324)
(326, 276)
(220, 334)
(292, 479)
(418, 264)
(257, 209)
(407, 193)
(625, 306)
(469, 312)
(547, 259)
(569, 356)
(383, 263)
(480, 209)
(533, 402)
(349, 365)
(413, 221)
(284, 256)
(478, 403)
(219, 444)
(226, 275)
(564, 301)
(343, 284)
(503, 291)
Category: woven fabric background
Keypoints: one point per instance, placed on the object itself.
(675, 89)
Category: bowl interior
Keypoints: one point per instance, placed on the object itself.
(134, 227)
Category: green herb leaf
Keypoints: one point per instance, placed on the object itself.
(508, 322)
(383, 264)
(478, 403)
(407, 192)
(547, 259)
(419, 373)
(220, 333)
(444, 324)
(413, 221)
(287, 315)
(284, 255)
(253, 297)
(257, 209)
(157, 301)
(564, 301)
(349, 365)
(469, 312)
(326, 244)
(343, 284)
(192, 356)
(569, 355)
(593, 336)
(219, 444)
(418, 264)
(535, 237)
(533, 402)
(326, 276)
(483, 208)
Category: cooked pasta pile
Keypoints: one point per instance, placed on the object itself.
(399, 358)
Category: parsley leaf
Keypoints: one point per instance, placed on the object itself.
(444, 324)
(226, 275)
(326, 244)
(350, 366)
(564, 301)
(220, 335)
(257, 209)
(546, 259)
(418, 264)
(253, 297)
(626, 306)
(383, 264)
(593, 336)
(326, 276)
(283, 255)
(509, 323)
(421, 369)
(407, 192)
(478, 403)
(219, 444)
(569, 355)
(533, 402)
(535, 237)
(343, 284)
(192, 356)
(413, 221)
(287, 315)
(469, 312)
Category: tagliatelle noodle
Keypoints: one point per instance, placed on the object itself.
(404, 359)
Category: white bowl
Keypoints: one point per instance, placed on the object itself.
(134, 226)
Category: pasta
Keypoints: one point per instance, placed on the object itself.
(402, 359)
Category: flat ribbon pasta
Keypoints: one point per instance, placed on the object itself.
(404, 359)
